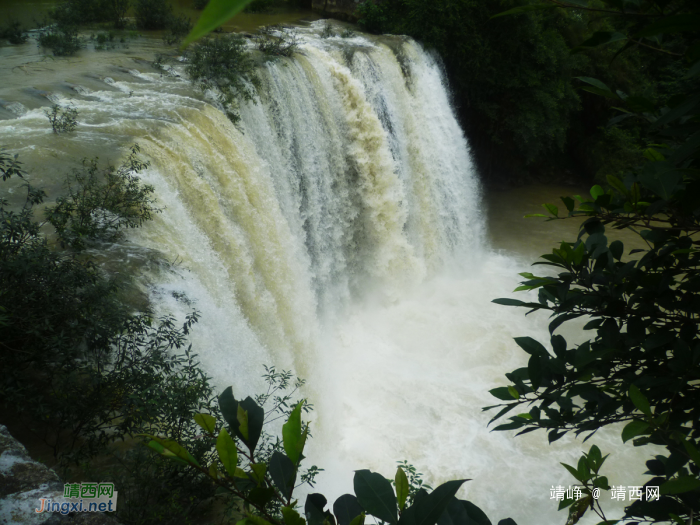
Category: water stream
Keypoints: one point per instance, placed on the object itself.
(341, 232)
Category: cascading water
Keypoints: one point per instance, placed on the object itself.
(338, 233)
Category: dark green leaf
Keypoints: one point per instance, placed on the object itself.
(671, 24)
(476, 515)
(455, 514)
(346, 508)
(261, 495)
(551, 208)
(525, 9)
(501, 393)
(206, 421)
(313, 508)
(427, 510)
(680, 485)
(603, 37)
(531, 346)
(376, 496)
(256, 416)
(228, 454)
(639, 400)
(292, 517)
(573, 472)
(597, 87)
(283, 473)
(515, 302)
(617, 249)
(229, 408)
(679, 110)
(174, 448)
(534, 368)
(633, 429)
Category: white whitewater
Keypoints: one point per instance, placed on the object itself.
(339, 234)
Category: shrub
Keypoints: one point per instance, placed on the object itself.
(153, 14)
(13, 32)
(115, 11)
(99, 203)
(78, 367)
(372, 17)
(62, 40)
(200, 4)
(259, 6)
(276, 41)
(223, 63)
(62, 120)
(327, 30)
(178, 27)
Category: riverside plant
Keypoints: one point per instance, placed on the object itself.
(265, 478)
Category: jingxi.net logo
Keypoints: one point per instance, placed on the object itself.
(82, 497)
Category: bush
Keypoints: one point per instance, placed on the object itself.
(178, 28)
(80, 12)
(200, 4)
(223, 63)
(640, 365)
(78, 368)
(62, 120)
(259, 6)
(153, 14)
(276, 41)
(372, 17)
(101, 202)
(62, 40)
(13, 32)
(327, 31)
(115, 11)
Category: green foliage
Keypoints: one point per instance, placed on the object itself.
(372, 17)
(327, 30)
(79, 369)
(62, 120)
(216, 13)
(99, 203)
(277, 41)
(152, 14)
(224, 64)
(61, 40)
(265, 482)
(74, 13)
(259, 6)
(13, 32)
(178, 28)
(642, 367)
(414, 480)
(512, 76)
(115, 11)
(200, 4)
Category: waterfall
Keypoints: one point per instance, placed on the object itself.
(337, 232)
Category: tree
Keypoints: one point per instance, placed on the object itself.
(642, 367)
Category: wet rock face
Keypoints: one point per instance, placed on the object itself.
(24, 482)
(18, 472)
